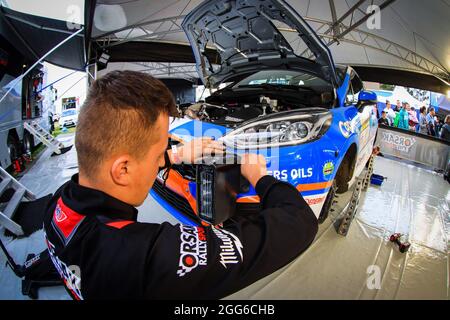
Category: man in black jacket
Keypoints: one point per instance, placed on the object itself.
(92, 233)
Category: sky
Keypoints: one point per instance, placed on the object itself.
(79, 89)
(55, 9)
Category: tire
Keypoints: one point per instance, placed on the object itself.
(13, 148)
(28, 142)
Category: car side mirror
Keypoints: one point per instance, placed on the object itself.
(366, 98)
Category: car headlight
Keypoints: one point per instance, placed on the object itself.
(280, 129)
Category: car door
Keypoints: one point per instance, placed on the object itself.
(364, 123)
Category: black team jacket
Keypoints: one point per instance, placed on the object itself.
(102, 252)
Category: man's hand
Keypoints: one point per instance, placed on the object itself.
(194, 150)
(253, 167)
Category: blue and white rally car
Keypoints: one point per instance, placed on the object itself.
(311, 119)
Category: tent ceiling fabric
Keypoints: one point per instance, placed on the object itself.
(413, 34)
(174, 70)
(33, 36)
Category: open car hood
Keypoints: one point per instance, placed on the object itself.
(243, 33)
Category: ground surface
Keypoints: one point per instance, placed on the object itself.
(413, 201)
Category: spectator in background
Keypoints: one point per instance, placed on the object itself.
(445, 132)
(398, 107)
(375, 111)
(51, 121)
(438, 125)
(431, 122)
(423, 121)
(403, 118)
(412, 119)
(416, 125)
(384, 120)
(389, 113)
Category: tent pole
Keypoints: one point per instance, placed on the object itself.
(16, 81)
(360, 22)
(91, 70)
(67, 75)
(73, 85)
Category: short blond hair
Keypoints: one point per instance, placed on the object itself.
(119, 116)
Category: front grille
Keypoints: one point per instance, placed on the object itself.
(175, 200)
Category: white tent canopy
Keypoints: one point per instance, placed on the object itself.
(413, 35)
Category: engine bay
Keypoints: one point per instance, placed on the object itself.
(230, 113)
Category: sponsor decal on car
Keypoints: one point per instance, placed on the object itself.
(314, 201)
(365, 124)
(345, 128)
(398, 142)
(328, 170)
(296, 173)
(193, 249)
(231, 248)
(355, 125)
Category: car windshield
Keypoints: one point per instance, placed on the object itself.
(69, 113)
(284, 78)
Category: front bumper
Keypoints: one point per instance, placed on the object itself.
(178, 197)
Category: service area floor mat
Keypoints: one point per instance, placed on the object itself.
(363, 265)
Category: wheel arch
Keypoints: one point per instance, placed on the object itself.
(346, 168)
(13, 134)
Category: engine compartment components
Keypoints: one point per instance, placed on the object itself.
(231, 114)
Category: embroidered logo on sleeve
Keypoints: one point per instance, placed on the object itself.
(193, 249)
(66, 221)
(60, 216)
(231, 248)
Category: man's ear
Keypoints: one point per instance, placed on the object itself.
(120, 171)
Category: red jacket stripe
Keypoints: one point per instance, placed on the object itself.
(119, 224)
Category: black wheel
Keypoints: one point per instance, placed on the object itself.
(28, 142)
(328, 204)
(13, 148)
